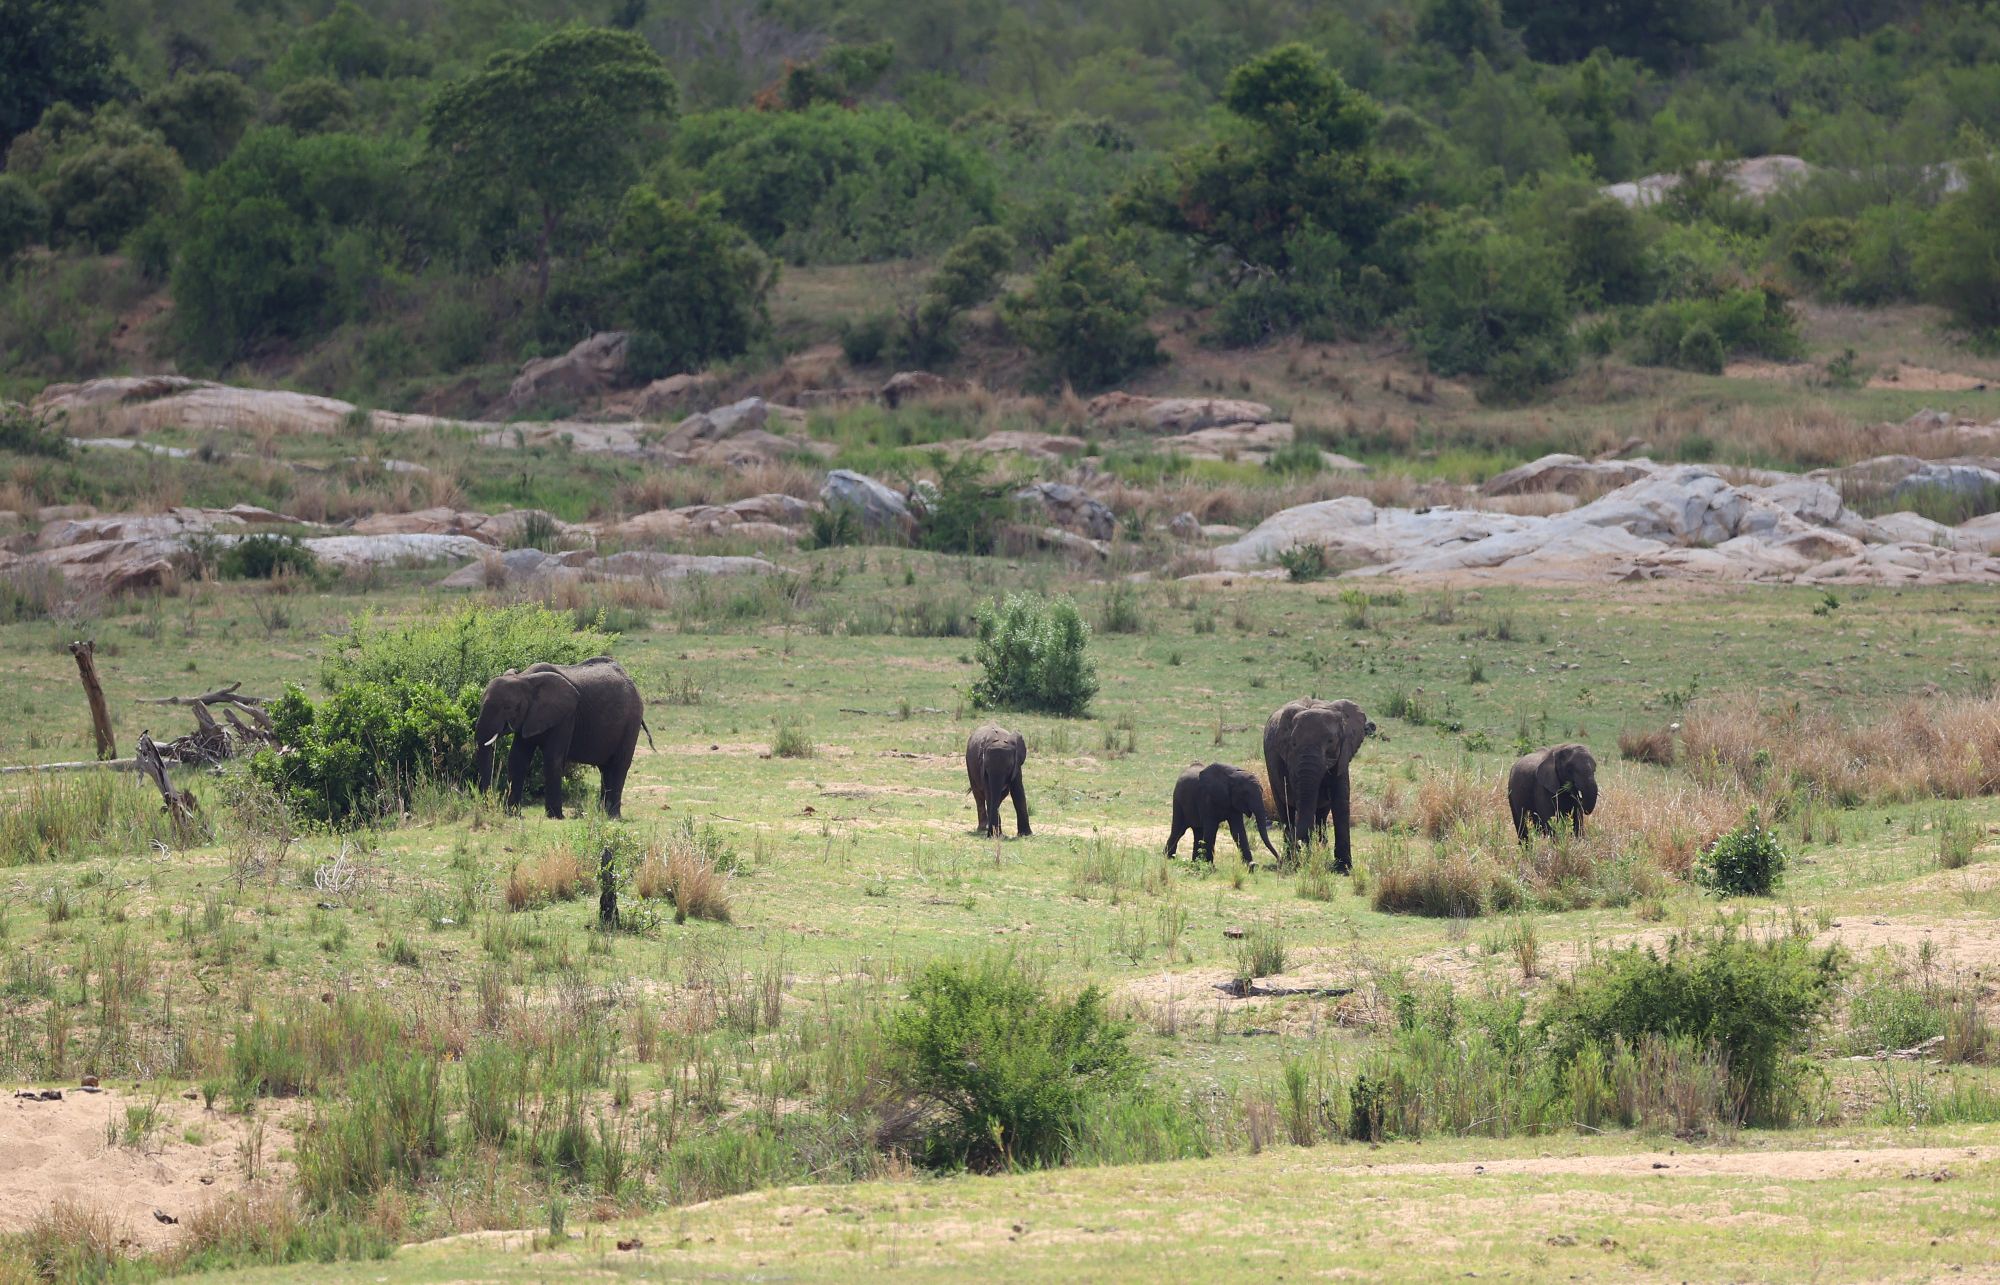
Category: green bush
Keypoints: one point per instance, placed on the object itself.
(1610, 252)
(24, 218)
(966, 277)
(1754, 322)
(1034, 652)
(1010, 1069)
(1298, 456)
(108, 181)
(402, 705)
(260, 557)
(1700, 350)
(1084, 315)
(23, 432)
(315, 105)
(1746, 862)
(202, 116)
(1490, 303)
(1958, 259)
(1759, 1002)
(694, 287)
(966, 512)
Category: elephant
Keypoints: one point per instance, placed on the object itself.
(1207, 797)
(584, 713)
(993, 759)
(1558, 781)
(1308, 745)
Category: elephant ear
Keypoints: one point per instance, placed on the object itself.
(552, 699)
(1548, 775)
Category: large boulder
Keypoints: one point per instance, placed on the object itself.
(911, 385)
(753, 447)
(590, 369)
(433, 521)
(728, 421)
(646, 564)
(1981, 533)
(673, 395)
(1569, 474)
(879, 507)
(1070, 507)
(509, 527)
(360, 552)
(1024, 442)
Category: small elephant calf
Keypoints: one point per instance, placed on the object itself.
(993, 759)
(1206, 798)
(1560, 781)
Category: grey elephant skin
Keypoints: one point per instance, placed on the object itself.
(587, 713)
(993, 759)
(1308, 745)
(1560, 781)
(1207, 798)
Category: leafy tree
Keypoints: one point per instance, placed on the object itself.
(315, 105)
(117, 177)
(1493, 304)
(1084, 315)
(1660, 33)
(201, 116)
(24, 218)
(830, 185)
(838, 76)
(694, 286)
(557, 122)
(1958, 258)
(1303, 168)
(1466, 27)
(1610, 252)
(968, 276)
(349, 44)
(51, 51)
(287, 236)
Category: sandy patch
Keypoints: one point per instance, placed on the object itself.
(862, 790)
(52, 1151)
(1925, 379)
(1821, 1164)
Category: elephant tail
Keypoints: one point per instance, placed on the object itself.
(649, 734)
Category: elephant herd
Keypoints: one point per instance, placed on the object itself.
(591, 713)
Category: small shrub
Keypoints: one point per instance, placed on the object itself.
(1122, 613)
(1305, 562)
(23, 432)
(1009, 1069)
(1034, 652)
(1261, 953)
(557, 875)
(1958, 836)
(691, 870)
(793, 740)
(966, 512)
(1296, 457)
(1758, 1002)
(1746, 862)
(834, 526)
(261, 557)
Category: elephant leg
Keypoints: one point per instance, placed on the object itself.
(1208, 832)
(519, 756)
(552, 775)
(1242, 839)
(1019, 794)
(612, 784)
(1180, 828)
(979, 806)
(1520, 822)
(1343, 843)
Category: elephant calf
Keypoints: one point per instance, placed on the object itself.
(587, 713)
(1558, 781)
(993, 759)
(1206, 798)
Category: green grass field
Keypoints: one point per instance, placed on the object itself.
(856, 864)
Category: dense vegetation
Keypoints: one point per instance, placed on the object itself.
(386, 196)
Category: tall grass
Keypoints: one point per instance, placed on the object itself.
(58, 816)
(1948, 749)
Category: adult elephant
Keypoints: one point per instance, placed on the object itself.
(587, 713)
(1206, 798)
(1560, 781)
(1308, 745)
(993, 759)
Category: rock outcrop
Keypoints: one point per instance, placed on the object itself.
(587, 371)
(1754, 179)
(1070, 507)
(876, 506)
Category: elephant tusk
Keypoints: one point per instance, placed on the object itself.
(487, 744)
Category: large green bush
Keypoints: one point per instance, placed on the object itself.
(1084, 316)
(1958, 259)
(402, 704)
(1492, 304)
(1034, 652)
(1756, 322)
(1010, 1069)
(202, 116)
(1759, 1002)
(260, 557)
(24, 218)
(1746, 862)
(694, 287)
(832, 185)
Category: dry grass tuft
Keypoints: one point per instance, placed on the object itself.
(557, 875)
(1458, 879)
(256, 1224)
(1451, 798)
(1947, 749)
(1655, 747)
(70, 1241)
(677, 870)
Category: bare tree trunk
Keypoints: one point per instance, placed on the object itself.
(100, 713)
(180, 804)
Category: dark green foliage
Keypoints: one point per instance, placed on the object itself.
(1305, 562)
(1084, 316)
(837, 77)
(402, 707)
(1746, 862)
(556, 124)
(966, 512)
(1465, 27)
(1010, 1068)
(967, 276)
(315, 105)
(102, 176)
(1759, 1002)
(22, 432)
(866, 341)
(828, 185)
(52, 51)
(1034, 653)
(1299, 456)
(286, 238)
(1958, 258)
(349, 44)
(1303, 172)
(1610, 253)
(201, 116)
(260, 557)
(1757, 322)
(1662, 33)
(1493, 304)
(694, 287)
(24, 218)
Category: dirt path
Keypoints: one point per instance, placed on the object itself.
(1819, 1164)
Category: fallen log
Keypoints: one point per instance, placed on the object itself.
(220, 696)
(178, 804)
(67, 767)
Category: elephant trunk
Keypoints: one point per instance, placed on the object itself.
(484, 735)
(1306, 776)
(1263, 828)
(998, 778)
(1589, 795)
